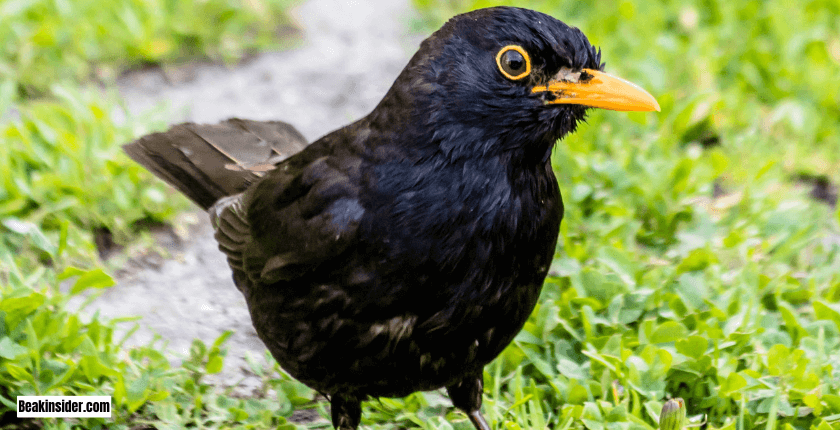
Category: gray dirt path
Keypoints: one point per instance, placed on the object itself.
(350, 54)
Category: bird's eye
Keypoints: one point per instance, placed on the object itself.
(513, 62)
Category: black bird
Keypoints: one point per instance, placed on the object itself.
(402, 252)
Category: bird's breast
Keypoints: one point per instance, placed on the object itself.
(470, 236)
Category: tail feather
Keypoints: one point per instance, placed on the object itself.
(206, 162)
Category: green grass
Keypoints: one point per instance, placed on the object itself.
(60, 159)
(61, 163)
(45, 349)
(64, 180)
(48, 41)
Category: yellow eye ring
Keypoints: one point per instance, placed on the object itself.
(505, 64)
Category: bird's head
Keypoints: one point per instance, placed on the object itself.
(507, 78)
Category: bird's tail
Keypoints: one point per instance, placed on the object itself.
(207, 162)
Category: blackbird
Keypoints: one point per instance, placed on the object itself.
(402, 252)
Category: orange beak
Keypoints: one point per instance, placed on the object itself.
(598, 89)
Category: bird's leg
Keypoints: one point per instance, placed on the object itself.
(466, 396)
(346, 411)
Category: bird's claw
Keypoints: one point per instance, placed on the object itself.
(478, 420)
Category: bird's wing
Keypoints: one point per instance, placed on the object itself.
(298, 216)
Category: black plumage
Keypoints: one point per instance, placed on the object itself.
(402, 252)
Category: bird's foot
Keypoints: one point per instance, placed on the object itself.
(346, 412)
(466, 396)
(478, 420)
